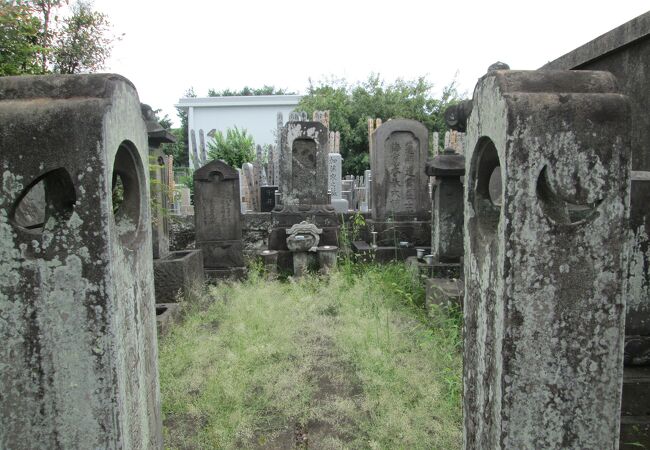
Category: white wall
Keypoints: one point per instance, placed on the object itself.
(259, 119)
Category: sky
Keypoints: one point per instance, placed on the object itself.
(169, 46)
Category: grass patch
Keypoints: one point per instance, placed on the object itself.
(346, 361)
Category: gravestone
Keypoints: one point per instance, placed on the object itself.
(249, 186)
(401, 205)
(401, 148)
(545, 260)
(217, 220)
(303, 166)
(78, 318)
(303, 160)
(339, 204)
(267, 196)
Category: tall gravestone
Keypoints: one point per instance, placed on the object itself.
(78, 320)
(400, 197)
(401, 148)
(303, 160)
(217, 220)
(303, 165)
(545, 260)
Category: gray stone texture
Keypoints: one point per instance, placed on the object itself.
(447, 206)
(304, 163)
(625, 52)
(217, 216)
(400, 150)
(78, 360)
(545, 266)
(177, 274)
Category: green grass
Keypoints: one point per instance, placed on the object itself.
(347, 361)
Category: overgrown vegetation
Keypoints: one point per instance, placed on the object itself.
(349, 360)
(235, 148)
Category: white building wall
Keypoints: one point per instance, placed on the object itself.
(257, 115)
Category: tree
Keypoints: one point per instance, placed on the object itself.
(246, 91)
(83, 43)
(351, 105)
(236, 148)
(36, 38)
(20, 34)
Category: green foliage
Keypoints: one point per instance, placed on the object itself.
(235, 148)
(265, 90)
(182, 150)
(19, 39)
(351, 105)
(348, 361)
(83, 43)
(35, 37)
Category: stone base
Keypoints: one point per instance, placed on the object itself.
(635, 408)
(390, 234)
(222, 253)
(214, 276)
(444, 292)
(177, 272)
(637, 350)
(167, 314)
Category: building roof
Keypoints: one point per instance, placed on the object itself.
(246, 100)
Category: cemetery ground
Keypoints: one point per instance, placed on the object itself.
(348, 360)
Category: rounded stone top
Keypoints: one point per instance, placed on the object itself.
(326, 248)
(447, 164)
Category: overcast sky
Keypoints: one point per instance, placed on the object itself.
(170, 46)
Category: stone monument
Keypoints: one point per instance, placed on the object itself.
(218, 222)
(545, 260)
(78, 317)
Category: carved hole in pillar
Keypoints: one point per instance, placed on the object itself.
(487, 194)
(559, 209)
(47, 201)
(127, 188)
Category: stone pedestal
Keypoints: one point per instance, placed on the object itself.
(270, 262)
(300, 263)
(327, 255)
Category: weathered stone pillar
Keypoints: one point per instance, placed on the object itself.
(545, 260)
(78, 359)
(447, 206)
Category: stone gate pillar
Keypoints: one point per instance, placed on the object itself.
(545, 260)
(78, 352)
